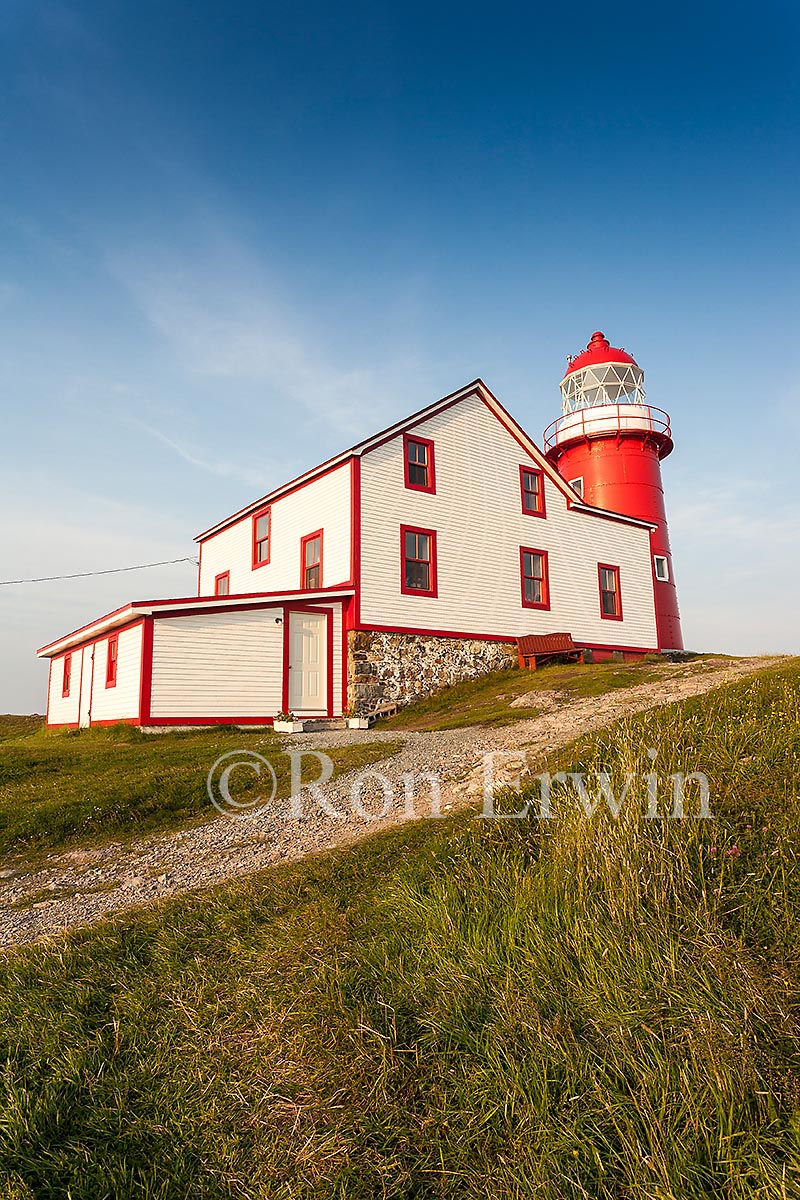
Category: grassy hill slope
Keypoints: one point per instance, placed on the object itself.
(567, 1009)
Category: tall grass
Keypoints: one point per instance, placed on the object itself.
(568, 1009)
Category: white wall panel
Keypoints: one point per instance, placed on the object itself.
(63, 710)
(223, 664)
(122, 700)
(322, 504)
(476, 512)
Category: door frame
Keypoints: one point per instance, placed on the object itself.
(318, 610)
(88, 723)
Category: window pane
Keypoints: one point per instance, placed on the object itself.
(262, 527)
(609, 604)
(423, 547)
(418, 575)
(608, 581)
(534, 593)
(312, 552)
(531, 486)
(418, 475)
(411, 545)
(312, 577)
(417, 453)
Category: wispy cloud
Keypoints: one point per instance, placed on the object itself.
(252, 476)
(222, 320)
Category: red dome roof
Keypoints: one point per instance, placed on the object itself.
(599, 351)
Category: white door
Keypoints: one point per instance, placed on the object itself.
(308, 662)
(87, 676)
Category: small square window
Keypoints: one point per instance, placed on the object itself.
(420, 468)
(531, 481)
(661, 564)
(222, 584)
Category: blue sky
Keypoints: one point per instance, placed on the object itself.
(235, 238)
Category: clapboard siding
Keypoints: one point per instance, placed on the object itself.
(226, 664)
(218, 665)
(122, 701)
(476, 512)
(63, 710)
(322, 504)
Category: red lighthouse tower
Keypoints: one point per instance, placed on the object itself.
(609, 445)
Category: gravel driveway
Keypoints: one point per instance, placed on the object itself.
(87, 885)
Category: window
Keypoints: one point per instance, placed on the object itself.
(577, 485)
(311, 560)
(418, 553)
(661, 564)
(222, 584)
(420, 469)
(112, 656)
(66, 679)
(531, 482)
(262, 527)
(534, 577)
(610, 592)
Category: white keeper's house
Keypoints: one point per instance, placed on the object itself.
(409, 561)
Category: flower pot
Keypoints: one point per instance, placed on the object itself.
(358, 722)
(288, 726)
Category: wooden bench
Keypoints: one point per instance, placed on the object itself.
(383, 710)
(535, 649)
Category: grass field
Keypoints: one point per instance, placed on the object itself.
(64, 789)
(487, 700)
(458, 1009)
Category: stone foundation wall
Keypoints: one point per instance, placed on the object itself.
(386, 668)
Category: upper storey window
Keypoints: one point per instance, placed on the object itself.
(262, 531)
(420, 469)
(311, 560)
(222, 584)
(531, 482)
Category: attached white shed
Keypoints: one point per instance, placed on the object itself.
(232, 660)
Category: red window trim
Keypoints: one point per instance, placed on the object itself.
(112, 663)
(431, 484)
(617, 616)
(309, 537)
(545, 604)
(66, 679)
(433, 591)
(262, 512)
(531, 512)
(217, 578)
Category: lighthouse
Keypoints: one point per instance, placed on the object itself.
(608, 443)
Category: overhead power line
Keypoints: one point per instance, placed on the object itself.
(110, 571)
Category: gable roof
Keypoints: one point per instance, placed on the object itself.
(476, 388)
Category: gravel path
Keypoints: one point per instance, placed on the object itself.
(82, 886)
